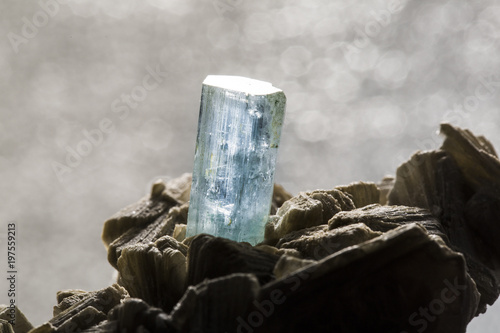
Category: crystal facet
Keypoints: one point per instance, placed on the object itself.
(239, 130)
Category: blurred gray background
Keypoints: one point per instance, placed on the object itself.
(367, 82)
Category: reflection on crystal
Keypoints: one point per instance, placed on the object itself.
(239, 130)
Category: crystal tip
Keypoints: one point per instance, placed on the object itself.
(241, 84)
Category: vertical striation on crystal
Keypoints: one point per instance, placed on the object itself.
(239, 130)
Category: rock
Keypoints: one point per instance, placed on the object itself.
(84, 319)
(179, 232)
(5, 326)
(287, 265)
(474, 155)
(280, 195)
(216, 305)
(278, 252)
(45, 328)
(306, 210)
(154, 272)
(361, 193)
(66, 298)
(63, 295)
(89, 310)
(427, 261)
(157, 215)
(385, 186)
(416, 183)
(459, 184)
(385, 218)
(319, 242)
(22, 324)
(212, 257)
(179, 188)
(432, 180)
(104, 326)
(135, 315)
(482, 212)
(332, 202)
(478, 162)
(164, 225)
(385, 282)
(138, 215)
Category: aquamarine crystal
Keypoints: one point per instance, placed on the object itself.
(239, 130)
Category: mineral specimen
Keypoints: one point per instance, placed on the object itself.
(5, 327)
(78, 310)
(239, 130)
(337, 260)
(460, 185)
(208, 306)
(204, 259)
(154, 272)
(146, 221)
(22, 325)
(376, 286)
(306, 210)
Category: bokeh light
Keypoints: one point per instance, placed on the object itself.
(366, 87)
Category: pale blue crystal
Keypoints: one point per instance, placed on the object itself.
(239, 130)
